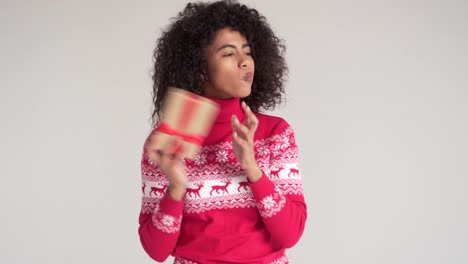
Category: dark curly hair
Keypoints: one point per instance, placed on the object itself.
(180, 59)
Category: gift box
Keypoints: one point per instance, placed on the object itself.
(187, 116)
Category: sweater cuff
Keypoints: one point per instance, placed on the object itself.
(170, 206)
(262, 188)
(269, 199)
(167, 215)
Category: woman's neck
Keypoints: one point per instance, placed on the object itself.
(227, 108)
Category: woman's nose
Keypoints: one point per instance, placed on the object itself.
(245, 62)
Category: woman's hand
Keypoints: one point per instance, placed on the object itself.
(243, 143)
(173, 167)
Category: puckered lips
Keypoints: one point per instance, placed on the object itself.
(248, 77)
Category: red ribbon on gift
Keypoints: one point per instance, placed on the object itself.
(195, 139)
(189, 108)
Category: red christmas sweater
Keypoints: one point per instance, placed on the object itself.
(224, 218)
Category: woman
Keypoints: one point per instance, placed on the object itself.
(241, 200)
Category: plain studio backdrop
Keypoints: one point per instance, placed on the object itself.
(377, 95)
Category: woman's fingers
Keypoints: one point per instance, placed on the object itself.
(242, 130)
(151, 151)
(252, 120)
(234, 123)
(238, 140)
(154, 157)
(164, 159)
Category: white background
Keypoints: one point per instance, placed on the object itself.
(377, 95)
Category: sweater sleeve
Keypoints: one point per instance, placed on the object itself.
(279, 193)
(160, 217)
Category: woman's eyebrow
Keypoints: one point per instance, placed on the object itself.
(231, 46)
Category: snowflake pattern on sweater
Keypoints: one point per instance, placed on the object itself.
(283, 259)
(165, 222)
(214, 187)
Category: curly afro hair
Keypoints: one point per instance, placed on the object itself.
(180, 59)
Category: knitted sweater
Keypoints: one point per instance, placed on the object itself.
(224, 218)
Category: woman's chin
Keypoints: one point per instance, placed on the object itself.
(245, 92)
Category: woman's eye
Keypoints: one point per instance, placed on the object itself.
(228, 55)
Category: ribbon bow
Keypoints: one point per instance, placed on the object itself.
(195, 139)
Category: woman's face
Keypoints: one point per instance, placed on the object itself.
(230, 66)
